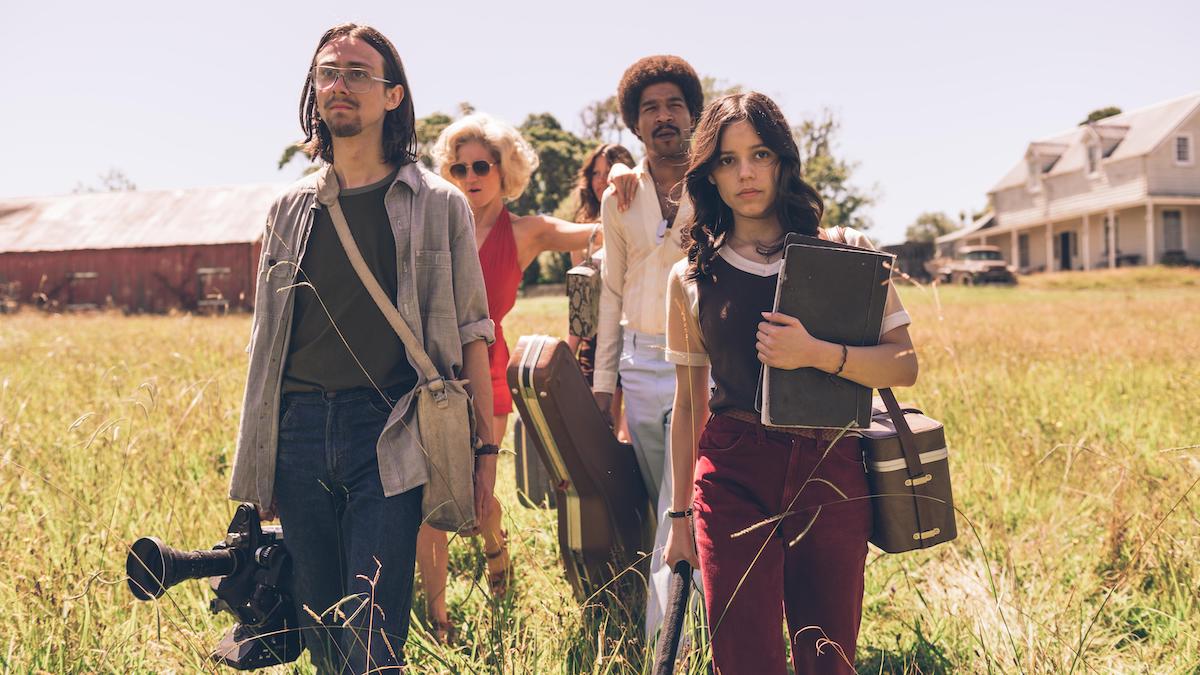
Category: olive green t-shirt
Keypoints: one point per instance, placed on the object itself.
(320, 357)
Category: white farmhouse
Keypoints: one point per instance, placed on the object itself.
(1124, 190)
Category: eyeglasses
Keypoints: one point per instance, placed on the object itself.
(480, 167)
(357, 80)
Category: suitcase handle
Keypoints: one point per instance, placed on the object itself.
(908, 442)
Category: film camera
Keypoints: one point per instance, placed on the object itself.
(250, 573)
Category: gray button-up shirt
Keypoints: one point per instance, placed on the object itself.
(440, 294)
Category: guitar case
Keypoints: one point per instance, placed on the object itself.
(605, 518)
(535, 488)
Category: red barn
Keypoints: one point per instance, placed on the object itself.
(140, 251)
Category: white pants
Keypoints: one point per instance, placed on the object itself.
(648, 381)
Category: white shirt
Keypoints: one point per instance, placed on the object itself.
(639, 252)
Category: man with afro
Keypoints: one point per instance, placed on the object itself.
(661, 98)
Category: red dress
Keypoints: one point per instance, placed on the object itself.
(501, 277)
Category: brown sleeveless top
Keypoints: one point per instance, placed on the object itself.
(729, 308)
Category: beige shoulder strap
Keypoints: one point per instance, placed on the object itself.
(327, 194)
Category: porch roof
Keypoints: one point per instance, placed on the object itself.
(984, 222)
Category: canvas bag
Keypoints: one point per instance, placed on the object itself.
(908, 471)
(583, 293)
(445, 414)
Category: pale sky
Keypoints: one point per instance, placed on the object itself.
(937, 99)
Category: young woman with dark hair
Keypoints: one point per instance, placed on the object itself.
(593, 179)
(780, 523)
(589, 189)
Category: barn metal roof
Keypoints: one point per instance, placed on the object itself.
(111, 220)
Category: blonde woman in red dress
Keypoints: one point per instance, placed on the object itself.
(491, 163)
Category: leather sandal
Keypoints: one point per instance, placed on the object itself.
(499, 580)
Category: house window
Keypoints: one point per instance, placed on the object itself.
(1183, 149)
(1172, 230)
(1023, 251)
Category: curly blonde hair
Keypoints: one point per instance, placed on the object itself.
(514, 156)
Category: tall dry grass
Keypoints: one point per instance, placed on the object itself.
(1070, 408)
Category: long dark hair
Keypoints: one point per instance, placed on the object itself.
(797, 204)
(399, 125)
(589, 202)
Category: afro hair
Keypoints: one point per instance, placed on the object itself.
(652, 70)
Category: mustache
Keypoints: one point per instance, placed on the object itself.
(665, 127)
(340, 101)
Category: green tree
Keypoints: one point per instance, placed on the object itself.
(1101, 113)
(845, 202)
(428, 130)
(714, 88)
(929, 226)
(560, 154)
(602, 121)
(290, 152)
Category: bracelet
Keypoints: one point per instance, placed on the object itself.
(686, 513)
(487, 449)
(841, 365)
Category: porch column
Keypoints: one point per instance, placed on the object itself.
(1112, 239)
(1016, 252)
(1087, 249)
(1150, 232)
(1049, 247)
(1183, 228)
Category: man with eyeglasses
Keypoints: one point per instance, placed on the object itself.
(327, 437)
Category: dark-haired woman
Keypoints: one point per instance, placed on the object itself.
(593, 179)
(589, 189)
(779, 524)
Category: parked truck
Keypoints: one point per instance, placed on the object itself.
(972, 265)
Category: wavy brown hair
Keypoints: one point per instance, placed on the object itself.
(797, 205)
(589, 202)
(399, 125)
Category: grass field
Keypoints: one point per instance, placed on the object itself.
(1069, 403)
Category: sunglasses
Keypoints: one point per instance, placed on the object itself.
(480, 167)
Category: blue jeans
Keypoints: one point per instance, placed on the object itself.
(349, 543)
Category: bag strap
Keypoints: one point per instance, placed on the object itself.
(591, 247)
(908, 442)
(327, 195)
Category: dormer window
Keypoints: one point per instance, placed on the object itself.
(1034, 182)
(1184, 153)
(1093, 158)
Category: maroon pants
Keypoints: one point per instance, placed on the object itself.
(808, 564)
